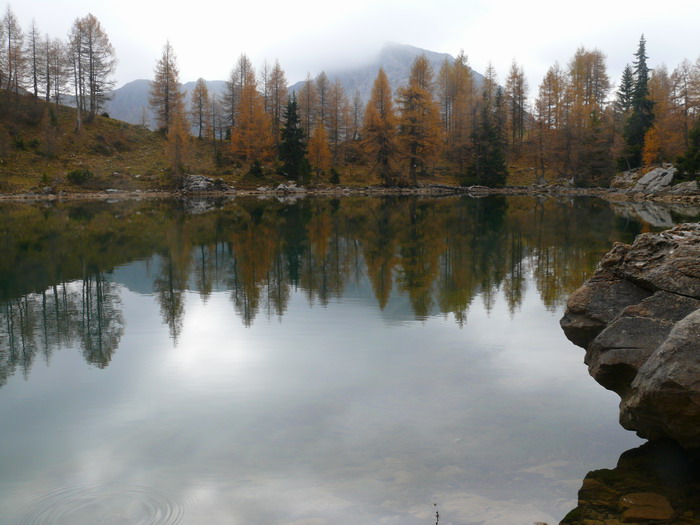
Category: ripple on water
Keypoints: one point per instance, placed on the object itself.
(103, 504)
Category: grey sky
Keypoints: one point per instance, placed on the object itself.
(311, 35)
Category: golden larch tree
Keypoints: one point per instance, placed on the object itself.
(278, 100)
(550, 110)
(379, 129)
(230, 100)
(665, 140)
(516, 95)
(685, 81)
(200, 109)
(457, 101)
(166, 99)
(419, 119)
(308, 104)
(251, 139)
(338, 119)
(178, 144)
(319, 154)
(323, 88)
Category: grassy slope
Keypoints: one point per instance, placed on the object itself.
(37, 151)
(34, 152)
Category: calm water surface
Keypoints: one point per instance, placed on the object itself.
(347, 361)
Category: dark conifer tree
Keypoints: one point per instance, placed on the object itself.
(488, 162)
(642, 116)
(626, 91)
(293, 143)
(689, 163)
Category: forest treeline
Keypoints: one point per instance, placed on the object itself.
(441, 255)
(575, 124)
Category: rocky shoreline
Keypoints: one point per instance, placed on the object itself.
(657, 185)
(638, 318)
(287, 190)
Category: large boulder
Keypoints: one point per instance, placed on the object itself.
(664, 396)
(202, 184)
(655, 180)
(638, 318)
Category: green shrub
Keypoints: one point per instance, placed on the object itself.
(256, 169)
(101, 149)
(79, 176)
(120, 145)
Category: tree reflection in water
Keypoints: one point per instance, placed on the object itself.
(441, 254)
(86, 314)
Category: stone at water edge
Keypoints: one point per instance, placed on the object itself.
(684, 188)
(626, 180)
(200, 183)
(665, 394)
(639, 319)
(655, 180)
(596, 304)
(618, 352)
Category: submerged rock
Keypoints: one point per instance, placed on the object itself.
(638, 318)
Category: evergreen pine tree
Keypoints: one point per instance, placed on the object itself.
(488, 163)
(689, 163)
(624, 94)
(642, 116)
(293, 143)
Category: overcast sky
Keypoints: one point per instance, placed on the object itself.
(312, 35)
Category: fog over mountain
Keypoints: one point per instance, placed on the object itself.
(129, 101)
(396, 59)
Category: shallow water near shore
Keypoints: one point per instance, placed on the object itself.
(354, 360)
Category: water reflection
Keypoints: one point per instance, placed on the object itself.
(442, 254)
(84, 313)
(657, 481)
(418, 360)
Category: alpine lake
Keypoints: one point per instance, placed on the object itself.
(355, 360)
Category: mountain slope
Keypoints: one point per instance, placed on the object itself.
(396, 59)
(129, 101)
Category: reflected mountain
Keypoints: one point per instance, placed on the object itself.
(64, 264)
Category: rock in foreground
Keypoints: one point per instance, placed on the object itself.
(638, 318)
